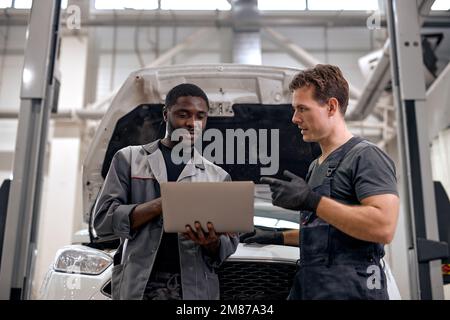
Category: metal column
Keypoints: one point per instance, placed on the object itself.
(37, 91)
(417, 194)
(246, 34)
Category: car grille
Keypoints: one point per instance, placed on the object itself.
(107, 289)
(242, 280)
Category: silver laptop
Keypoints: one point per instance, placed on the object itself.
(228, 205)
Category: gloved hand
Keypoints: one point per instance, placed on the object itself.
(263, 237)
(294, 194)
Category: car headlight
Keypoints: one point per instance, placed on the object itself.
(82, 260)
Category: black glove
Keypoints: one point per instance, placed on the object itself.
(263, 237)
(294, 194)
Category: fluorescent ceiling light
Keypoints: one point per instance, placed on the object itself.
(22, 4)
(281, 5)
(195, 5)
(442, 5)
(25, 4)
(334, 5)
(5, 3)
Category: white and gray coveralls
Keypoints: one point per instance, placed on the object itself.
(129, 182)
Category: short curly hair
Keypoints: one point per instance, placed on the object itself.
(185, 90)
(327, 81)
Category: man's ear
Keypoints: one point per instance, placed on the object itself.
(333, 106)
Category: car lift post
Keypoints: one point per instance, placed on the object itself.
(418, 201)
(37, 92)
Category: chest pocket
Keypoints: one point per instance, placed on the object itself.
(144, 186)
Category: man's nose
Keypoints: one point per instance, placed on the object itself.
(296, 119)
(190, 122)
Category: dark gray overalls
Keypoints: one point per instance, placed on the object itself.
(334, 265)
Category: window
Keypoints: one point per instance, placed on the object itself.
(195, 5)
(281, 5)
(443, 5)
(5, 3)
(343, 5)
(128, 4)
(165, 4)
(24, 4)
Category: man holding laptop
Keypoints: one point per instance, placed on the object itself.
(150, 263)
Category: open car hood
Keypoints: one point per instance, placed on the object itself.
(241, 97)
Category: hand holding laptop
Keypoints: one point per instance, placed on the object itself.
(199, 233)
(209, 240)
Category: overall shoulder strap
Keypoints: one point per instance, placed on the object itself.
(339, 155)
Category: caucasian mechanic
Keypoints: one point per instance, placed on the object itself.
(348, 204)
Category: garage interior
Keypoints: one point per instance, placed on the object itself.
(63, 62)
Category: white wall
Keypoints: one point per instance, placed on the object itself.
(7, 143)
(440, 164)
(440, 159)
(12, 61)
(73, 68)
(10, 79)
(59, 198)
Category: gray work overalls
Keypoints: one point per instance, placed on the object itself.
(334, 265)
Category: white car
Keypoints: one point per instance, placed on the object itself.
(241, 97)
(253, 272)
